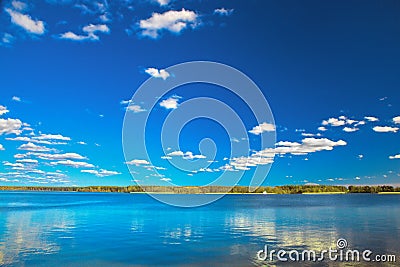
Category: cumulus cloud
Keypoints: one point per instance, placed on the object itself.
(135, 108)
(186, 155)
(172, 21)
(165, 179)
(74, 164)
(395, 156)
(32, 147)
(90, 31)
(26, 22)
(335, 122)
(153, 72)
(385, 129)
(223, 11)
(371, 119)
(170, 103)
(2, 147)
(10, 126)
(322, 129)
(350, 130)
(266, 156)
(101, 172)
(263, 127)
(3, 110)
(396, 119)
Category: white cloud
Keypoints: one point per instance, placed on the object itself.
(101, 172)
(186, 155)
(91, 31)
(335, 122)
(223, 11)
(26, 22)
(371, 119)
(263, 127)
(18, 5)
(52, 137)
(266, 156)
(322, 129)
(74, 164)
(62, 156)
(16, 99)
(81, 143)
(170, 103)
(10, 126)
(33, 161)
(135, 108)
(350, 130)
(385, 129)
(3, 110)
(7, 39)
(32, 147)
(173, 21)
(153, 72)
(163, 2)
(2, 147)
(138, 162)
(310, 134)
(396, 119)
(308, 145)
(165, 179)
(74, 36)
(395, 156)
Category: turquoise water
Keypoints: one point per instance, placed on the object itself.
(104, 229)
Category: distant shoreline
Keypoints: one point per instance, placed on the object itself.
(267, 190)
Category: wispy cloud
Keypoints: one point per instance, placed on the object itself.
(101, 172)
(18, 5)
(74, 164)
(223, 11)
(172, 21)
(16, 99)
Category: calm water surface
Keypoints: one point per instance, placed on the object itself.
(104, 229)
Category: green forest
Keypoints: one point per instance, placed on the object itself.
(285, 189)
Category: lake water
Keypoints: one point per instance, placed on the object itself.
(104, 229)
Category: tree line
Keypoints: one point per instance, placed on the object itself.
(285, 189)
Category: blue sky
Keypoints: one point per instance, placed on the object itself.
(328, 69)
